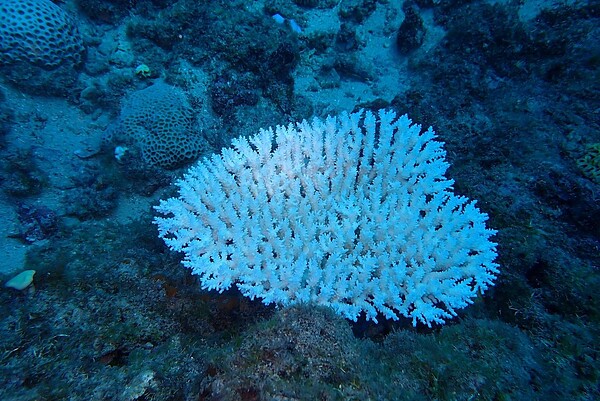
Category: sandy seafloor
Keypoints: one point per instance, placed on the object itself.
(118, 317)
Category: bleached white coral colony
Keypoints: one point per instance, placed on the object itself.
(353, 212)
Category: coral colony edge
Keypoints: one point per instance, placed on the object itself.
(353, 212)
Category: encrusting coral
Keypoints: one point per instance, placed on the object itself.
(589, 163)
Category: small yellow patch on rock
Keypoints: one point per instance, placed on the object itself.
(21, 280)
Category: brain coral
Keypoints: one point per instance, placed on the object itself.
(353, 212)
(160, 122)
(38, 32)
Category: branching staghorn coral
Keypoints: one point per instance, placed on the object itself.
(353, 212)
